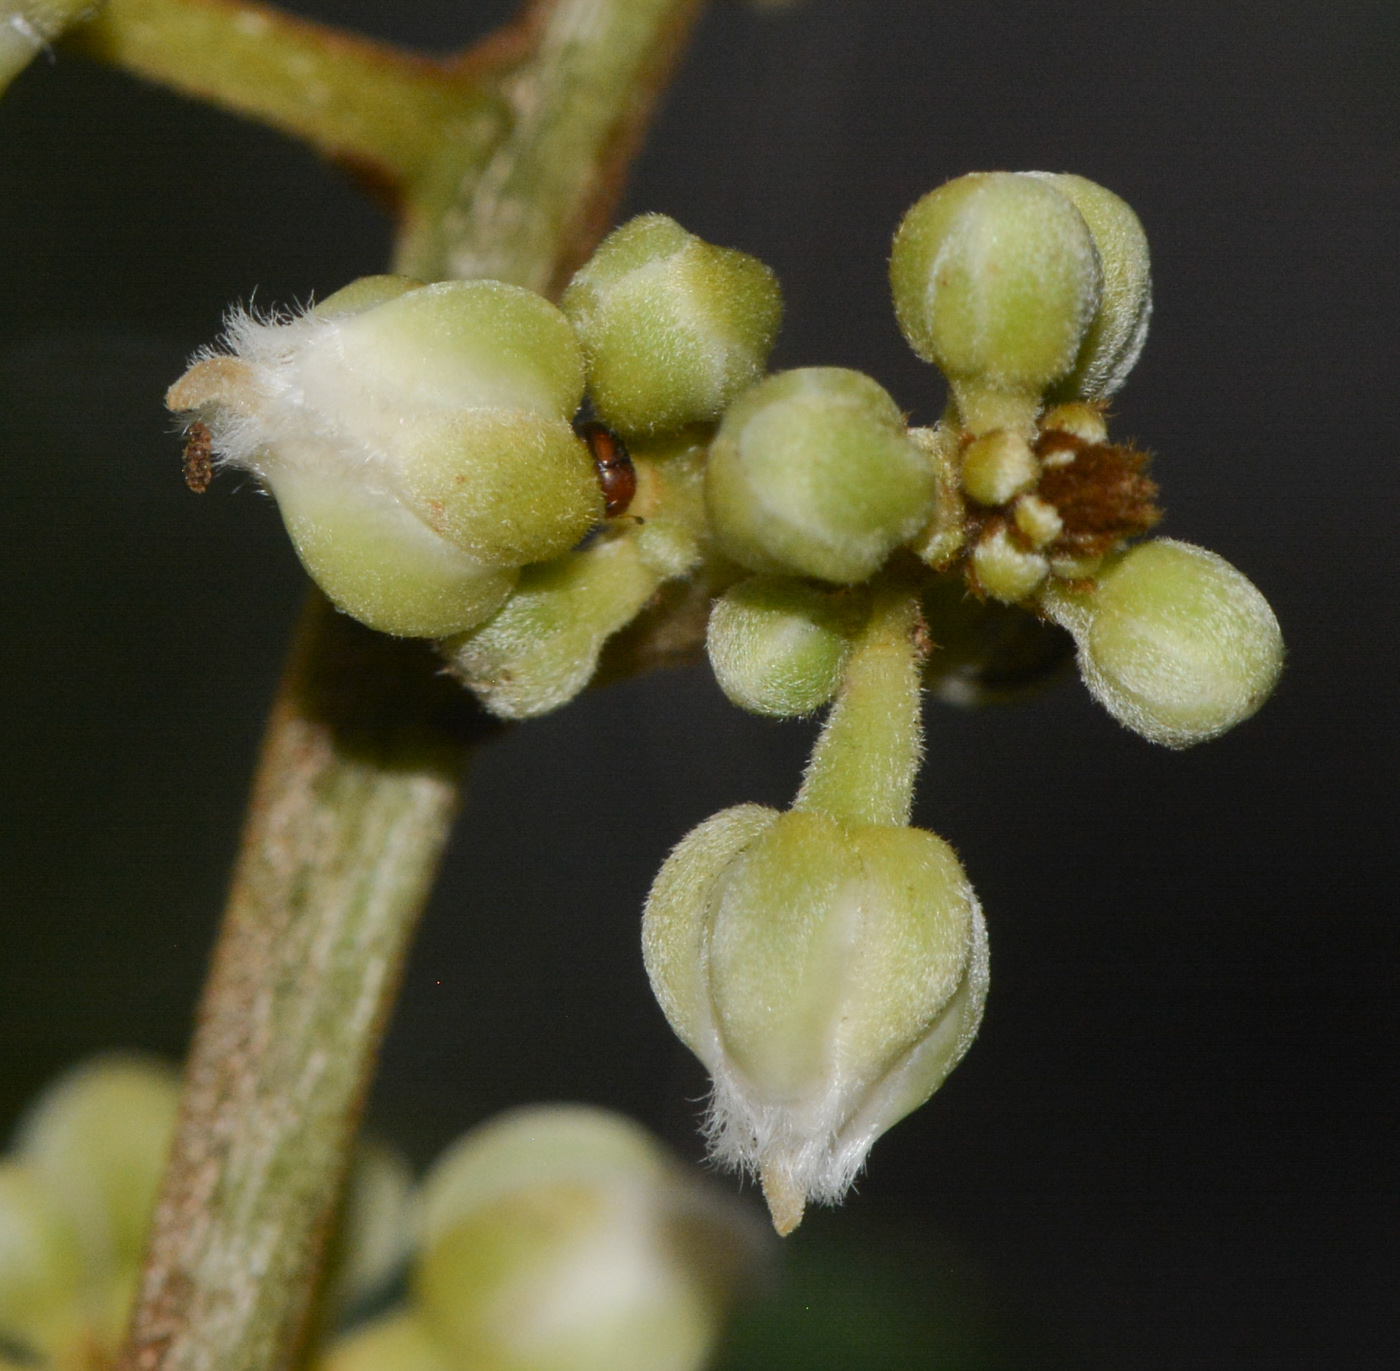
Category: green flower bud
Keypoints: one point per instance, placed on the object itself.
(97, 1140)
(673, 328)
(562, 1239)
(400, 1341)
(28, 26)
(829, 975)
(417, 438)
(1115, 339)
(813, 473)
(40, 1261)
(996, 279)
(542, 648)
(1173, 641)
(374, 1233)
(778, 647)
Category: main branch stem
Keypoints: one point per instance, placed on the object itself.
(358, 781)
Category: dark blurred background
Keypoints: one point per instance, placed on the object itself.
(1171, 1146)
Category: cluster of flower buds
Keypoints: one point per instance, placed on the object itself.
(560, 1238)
(426, 446)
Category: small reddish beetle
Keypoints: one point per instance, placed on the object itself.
(616, 474)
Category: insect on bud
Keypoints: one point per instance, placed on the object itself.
(417, 438)
(561, 1238)
(996, 280)
(672, 328)
(829, 975)
(778, 647)
(1173, 641)
(813, 473)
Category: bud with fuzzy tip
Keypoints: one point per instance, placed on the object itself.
(672, 328)
(828, 964)
(778, 647)
(1115, 339)
(1173, 641)
(813, 473)
(996, 279)
(563, 1239)
(417, 439)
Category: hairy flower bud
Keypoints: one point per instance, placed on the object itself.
(778, 647)
(996, 279)
(97, 1140)
(813, 473)
(561, 1238)
(417, 438)
(829, 975)
(672, 328)
(1173, 641)
(1115, 339)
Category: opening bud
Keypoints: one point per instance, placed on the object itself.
(829, 975)
(672, 328)
(813, 473)
(1173, 641)
(996, 280)
(417, 438)
(778, 647)
(1115, 339)
(562, 1239)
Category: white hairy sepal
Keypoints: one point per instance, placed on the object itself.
(828, 976)
(417, 439)
(1173, 641)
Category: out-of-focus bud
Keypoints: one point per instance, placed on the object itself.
(40, 1262)
(29, 26)
(829, 975)
(97, 1140)
(562, 1239)
(813, 472)
(542, 648)
(374, 1234)
(778, 647)
(1115, 339)
(672, 328)
(1173, 641)
(417, 438)
(996, 280)
(400, 1341)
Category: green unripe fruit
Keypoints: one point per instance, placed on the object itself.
(1173, 641)
(562, 1239)
(778, 647)
(418, 440)
(1115, 339)
(813, 473)
(673, 328)
(97, 1140)
(829, 975)
(996, 280)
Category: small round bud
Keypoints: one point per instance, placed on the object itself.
(1037, 522)
(400, 1341)
(1173, 641)
(998, 466)
(1005, 571)
(778, 647)
(829, 975)
(672, 328)
(97, 1140)
(418, 440)
(996, 280)
(813, 473)
(562, 1239)
(542, 648)
(1078, 419)
(40, 1261)
(1115, 339)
